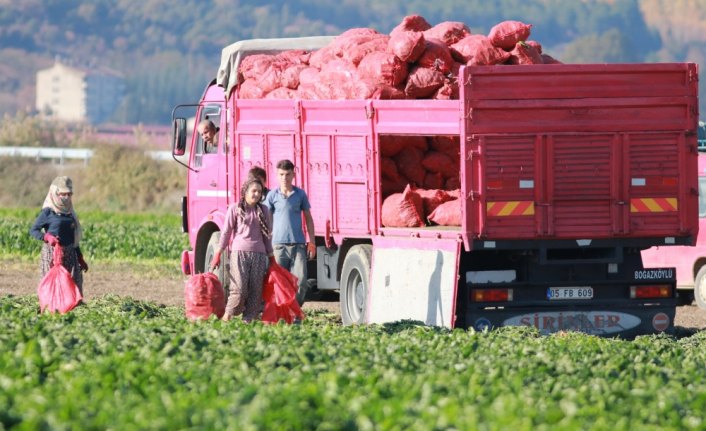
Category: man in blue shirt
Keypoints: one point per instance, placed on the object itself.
(287, 203)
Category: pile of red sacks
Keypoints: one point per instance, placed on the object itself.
(415, 61)
(425, 162)
(414, 207)
(419, 174)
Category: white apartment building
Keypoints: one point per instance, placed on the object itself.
(78, 94)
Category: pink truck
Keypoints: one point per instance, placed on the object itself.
(566, 172)
(689, 261)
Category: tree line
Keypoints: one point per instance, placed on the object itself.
(169, 51)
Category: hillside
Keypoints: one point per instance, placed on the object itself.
(167, 51)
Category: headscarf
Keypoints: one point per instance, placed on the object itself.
(63, 205)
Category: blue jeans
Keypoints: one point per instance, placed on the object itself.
(293, 258)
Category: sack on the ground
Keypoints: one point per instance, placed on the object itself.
(280, 296)
(57, 291)
(204, 296)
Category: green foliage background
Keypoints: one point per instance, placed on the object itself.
(116, 178)
(112, 236)
(117, 363)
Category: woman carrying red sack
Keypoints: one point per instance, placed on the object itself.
(57, 224)
(247, 231)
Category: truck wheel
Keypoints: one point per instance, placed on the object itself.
(700, 288)
(355, 279)
(222, 271)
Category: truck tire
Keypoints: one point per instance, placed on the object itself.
(700, 288)
(355, 280)
(222, 271)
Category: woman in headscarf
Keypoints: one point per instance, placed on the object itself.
(57, 224)
(247, 233)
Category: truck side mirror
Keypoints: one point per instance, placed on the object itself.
(179, 137)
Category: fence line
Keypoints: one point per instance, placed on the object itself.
(62, 154)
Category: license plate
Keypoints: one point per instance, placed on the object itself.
(554, 293)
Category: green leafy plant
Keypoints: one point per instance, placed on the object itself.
(119, 363)
(114, 236)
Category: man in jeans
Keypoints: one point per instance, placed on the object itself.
(287, 203)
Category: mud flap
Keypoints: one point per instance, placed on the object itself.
(606, 321)
(414, 279)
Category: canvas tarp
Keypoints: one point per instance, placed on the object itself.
(233, 54)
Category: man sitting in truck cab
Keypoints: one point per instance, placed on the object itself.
(209, 135)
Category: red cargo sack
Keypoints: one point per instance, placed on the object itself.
(525, 54)
(477, 49)
(383, 68)
(57, 291)
(436, 56)
(203, 296)
(403, 209)
(431, 199)
(447, 214)
(407, 45)
(507, 33)
(422, 82)
(280, 295)
(448, 32)
(411, 23)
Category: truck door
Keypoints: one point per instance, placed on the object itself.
(207, 183)
(413, 279)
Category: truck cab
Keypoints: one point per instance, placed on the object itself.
(207, 192)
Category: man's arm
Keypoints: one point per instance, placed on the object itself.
(310, 230)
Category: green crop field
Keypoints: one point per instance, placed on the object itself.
(106, 236)
(122, 364)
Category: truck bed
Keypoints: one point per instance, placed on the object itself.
(550, 152)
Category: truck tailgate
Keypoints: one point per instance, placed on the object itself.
(579, 151)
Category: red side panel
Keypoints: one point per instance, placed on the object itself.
(510, 171)
(582, 98)
(579, 151)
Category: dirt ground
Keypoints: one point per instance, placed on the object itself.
(21, 278)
